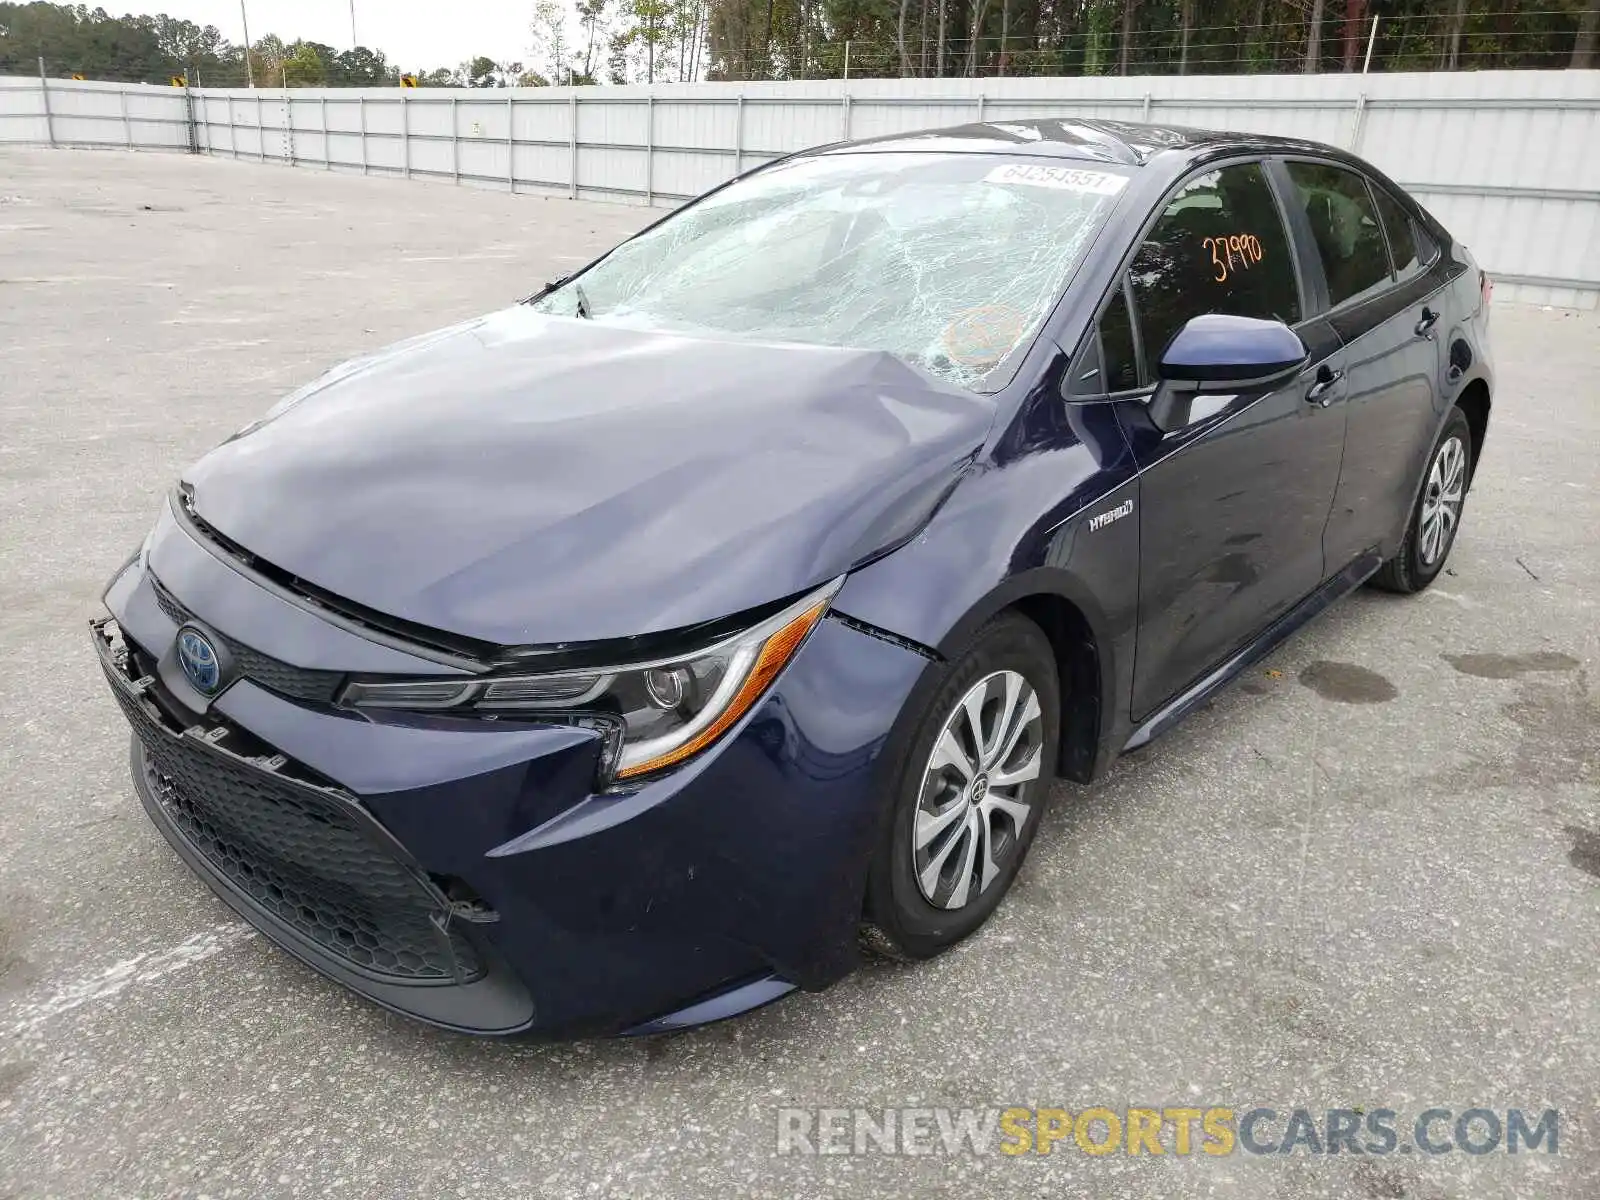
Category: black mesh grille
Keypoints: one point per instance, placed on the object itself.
(298, 683)
(300, 853)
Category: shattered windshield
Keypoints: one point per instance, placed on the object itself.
(948, 261)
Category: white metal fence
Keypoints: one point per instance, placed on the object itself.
(1508, 160)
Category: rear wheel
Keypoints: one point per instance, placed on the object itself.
(969, 795)
(1431, 531)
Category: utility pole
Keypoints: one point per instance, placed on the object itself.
(249, 73)
(353, 42)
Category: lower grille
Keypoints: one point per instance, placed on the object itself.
(300, 851)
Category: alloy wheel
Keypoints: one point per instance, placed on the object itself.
(1441, 501)
(975, 800)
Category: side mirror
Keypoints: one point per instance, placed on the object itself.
(1219, 353)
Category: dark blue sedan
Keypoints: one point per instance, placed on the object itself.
(637, 654)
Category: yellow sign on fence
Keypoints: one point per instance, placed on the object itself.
(77, 74)
(408, 81)
(179, 81)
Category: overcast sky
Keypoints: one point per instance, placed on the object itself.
(411, 33)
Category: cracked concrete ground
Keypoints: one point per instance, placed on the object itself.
(1367, 875)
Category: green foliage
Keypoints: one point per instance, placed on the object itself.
(670, 40)
(75, 39)
(785, 39)
(306, 65)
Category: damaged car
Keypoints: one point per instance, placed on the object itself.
(636, 655)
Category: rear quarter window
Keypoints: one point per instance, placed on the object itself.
(1410, 248)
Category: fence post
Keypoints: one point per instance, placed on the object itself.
(44, 94)
(455, 145)
(261, 130)
(572, 117)
(511, 144)
(233, 136)
(980, 108)
(846, 109)
(738, 136)
(1146, 117)
(288, 126)
(361, 124)
(847, 59)
(127, 125)
(1357, 121)
(188, 112)
(405, 135)
(650, 151)
(327, 143)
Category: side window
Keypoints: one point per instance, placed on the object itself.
(1345, 226)
(1218, 247)
(1120, 360)
(1409, 256)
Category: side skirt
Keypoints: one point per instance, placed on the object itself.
(1334, 588)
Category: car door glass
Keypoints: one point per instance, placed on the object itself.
(1219, 246)
(1345, 226)
(1118, 357)
(1397, 223)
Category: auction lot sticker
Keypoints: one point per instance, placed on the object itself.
(1067, 179)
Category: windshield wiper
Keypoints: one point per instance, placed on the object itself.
(584, 310)
(546, 290)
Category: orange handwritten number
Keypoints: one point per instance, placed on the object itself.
(1246, 245)
(1222, 267)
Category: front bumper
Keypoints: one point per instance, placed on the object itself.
(464, 872)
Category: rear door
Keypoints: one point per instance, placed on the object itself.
(1387, 312)
(1234, 496)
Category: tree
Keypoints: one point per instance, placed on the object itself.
(1313, 61)
(186, 42)
(306, 65)
(1355, 21)
(591, 19)
(653, 28)
(1583, 46)
(266, 60)
(1128, 7)
(652, 40)
(360, 67)
(479, 72)
(549, 31)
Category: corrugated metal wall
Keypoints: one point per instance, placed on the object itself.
(1508, 160)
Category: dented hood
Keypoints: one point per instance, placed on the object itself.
(524, 479)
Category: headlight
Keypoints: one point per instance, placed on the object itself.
(657, 713)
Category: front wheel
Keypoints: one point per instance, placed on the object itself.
(969, 795)
(1431, 531)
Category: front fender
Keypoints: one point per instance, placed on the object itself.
(1017, 528)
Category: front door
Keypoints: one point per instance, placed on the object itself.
(1235, 495)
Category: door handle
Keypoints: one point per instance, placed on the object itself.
(1321, 392)
(1428, 321)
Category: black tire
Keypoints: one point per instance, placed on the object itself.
(900, 922)
(1409, 571)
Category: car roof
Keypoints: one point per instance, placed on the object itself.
(1127, 142)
